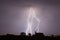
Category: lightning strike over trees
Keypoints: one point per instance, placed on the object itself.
(31, 16)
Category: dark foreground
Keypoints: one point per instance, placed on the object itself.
(23, 36)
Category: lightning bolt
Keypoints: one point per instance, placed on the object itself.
(31, 16)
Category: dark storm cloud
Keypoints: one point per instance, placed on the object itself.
(13, 20)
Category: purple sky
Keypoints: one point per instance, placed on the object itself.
(13, 16)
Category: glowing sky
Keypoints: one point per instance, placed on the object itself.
(14, 14)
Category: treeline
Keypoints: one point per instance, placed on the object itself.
(23, 36)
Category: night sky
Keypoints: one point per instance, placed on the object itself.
(14, 13)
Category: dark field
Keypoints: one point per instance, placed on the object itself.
(23, 36)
